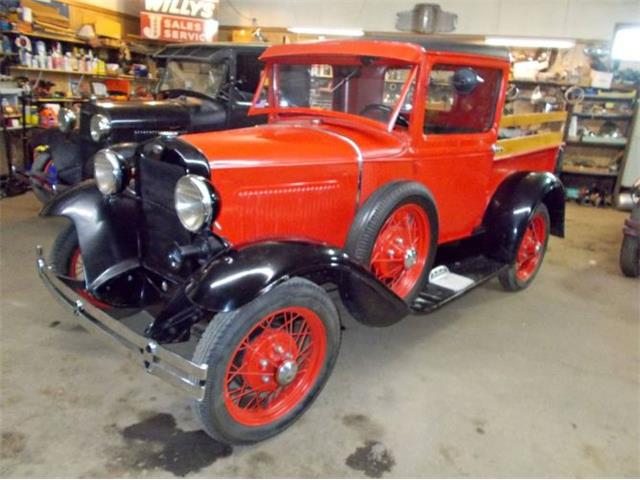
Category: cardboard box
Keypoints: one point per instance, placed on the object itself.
(601, 79)
(106, 27)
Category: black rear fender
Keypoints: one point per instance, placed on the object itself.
(513, 205)
(105, 228)
(238, 276)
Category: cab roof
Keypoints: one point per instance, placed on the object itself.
(405, 48)
(206, 52)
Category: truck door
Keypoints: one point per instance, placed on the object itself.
(456, 147)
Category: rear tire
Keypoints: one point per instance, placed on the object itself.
(251, 351)
(530, 254)
(630, 256)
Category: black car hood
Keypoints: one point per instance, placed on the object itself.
(148, 114)
(141, 119)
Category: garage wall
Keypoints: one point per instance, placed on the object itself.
(590, 19)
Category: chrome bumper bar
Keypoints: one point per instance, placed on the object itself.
(156, 360)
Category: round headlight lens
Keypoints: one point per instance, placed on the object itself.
(66, 119)
(193, 202)
(635, 192)
(99, 126)
(108, 171)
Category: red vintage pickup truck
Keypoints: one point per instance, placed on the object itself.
(386, 173)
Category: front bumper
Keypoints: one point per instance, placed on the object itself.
(156, 359)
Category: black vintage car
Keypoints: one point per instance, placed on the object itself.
(203, 87)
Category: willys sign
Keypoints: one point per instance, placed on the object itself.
(179, 20)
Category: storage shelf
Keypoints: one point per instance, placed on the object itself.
(50, 36)
(60, 100)
(15, 129)
(20, 68)
(606, 99)
(597, 172)
(579, 143)
(589, 116)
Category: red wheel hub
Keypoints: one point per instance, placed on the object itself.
(401, 250)
(531, 248)
(274, 366)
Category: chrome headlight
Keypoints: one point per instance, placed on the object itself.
(109, 171)
(99, 127)
(635, 192)
(194, 201)
(66, 119)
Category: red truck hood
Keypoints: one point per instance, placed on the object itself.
(293, 143)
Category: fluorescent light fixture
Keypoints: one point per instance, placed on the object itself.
(337, 32)
(625, 43)
(529, 42)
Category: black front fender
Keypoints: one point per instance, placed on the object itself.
(237, 276)
(104, 226)
(513, 205)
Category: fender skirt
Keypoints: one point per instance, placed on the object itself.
(108, 243)
(513, 205)
(238, 276)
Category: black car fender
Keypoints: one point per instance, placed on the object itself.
(237, 276)
(108, 243)
(512, 206)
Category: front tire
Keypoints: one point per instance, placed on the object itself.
(530, 254)
(66, 258)
(268, 361)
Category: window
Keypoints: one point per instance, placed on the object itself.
(461, 99)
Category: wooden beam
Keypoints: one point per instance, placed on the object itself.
(530, 143)
(526, 119)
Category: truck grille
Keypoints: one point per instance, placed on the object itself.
(162, 230)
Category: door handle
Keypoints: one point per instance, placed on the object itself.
(495, 148)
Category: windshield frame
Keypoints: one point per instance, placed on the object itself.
(275, 111)
(225, 61)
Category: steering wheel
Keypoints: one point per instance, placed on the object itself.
(574, 95)
(402, 119)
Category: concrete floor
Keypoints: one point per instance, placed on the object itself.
(540, 383)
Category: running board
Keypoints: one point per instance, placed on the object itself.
(446, 283)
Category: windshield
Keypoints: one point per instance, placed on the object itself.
(365, 86)
(198, 77)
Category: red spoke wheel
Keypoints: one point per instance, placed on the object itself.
(275, 365)
(531, 250)
(395, 234)
(76, 265)
(268, 361)
(66, 259)
(401, 249)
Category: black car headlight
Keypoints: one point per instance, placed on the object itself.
(109, 171)
(195, 202)
(99, 127)
(66, 120)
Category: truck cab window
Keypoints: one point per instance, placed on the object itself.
(461, 99)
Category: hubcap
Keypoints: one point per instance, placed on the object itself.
(401, 249)
(286, 372)
(410, 258)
